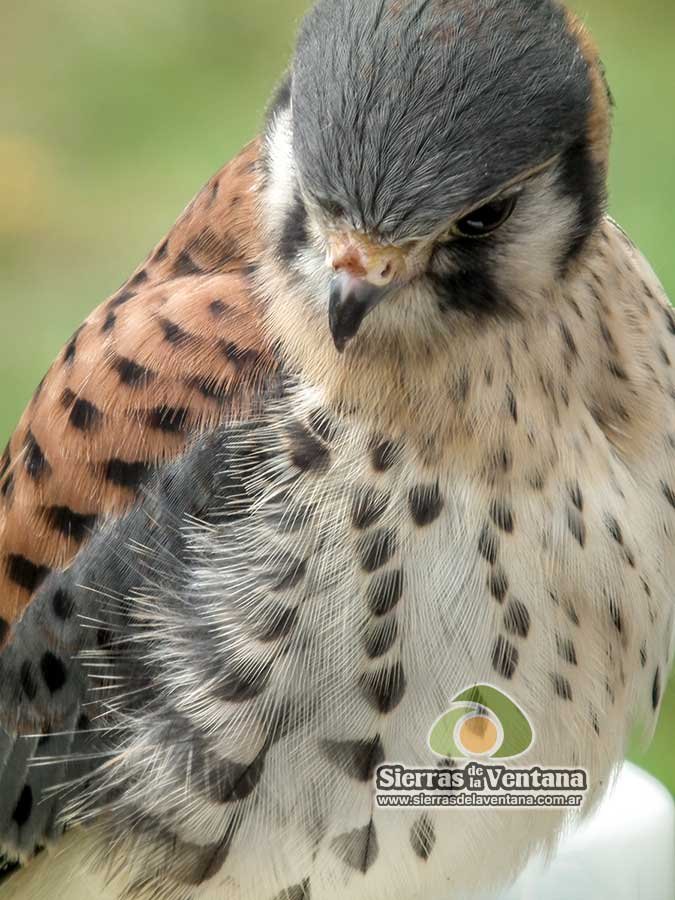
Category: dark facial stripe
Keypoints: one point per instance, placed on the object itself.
(126, 474)
(472, 291)
(295, 235)
(74, 526)
(582, 181)
(24, 573)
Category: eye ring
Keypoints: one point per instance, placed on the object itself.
(486, 219)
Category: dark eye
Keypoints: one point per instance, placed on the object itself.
(485, 219)
(332, 208)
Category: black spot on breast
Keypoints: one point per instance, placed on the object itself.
(376, 549)
(517, 619)
(130, 475)
(25, 573)
(668, 493)
(656, 689)
(512, 404)
(504, 658)
(131, 373)
(53, 672)
(295, 234)
(369, 507)
(423, 837)
(63, 604)
(566, 650)
(307, 452)
(426, 504)
(235, 781)
(576, 496)
(502, 515)
(359, 848)
(357, 759)
(614, 529)
(296, 892)
(384, 592)
(385, 688)
(577, 527)
(72, 525)
(243, 681)
(169, 419)
(173, 333)
(27, 679)
(380, 638)
(4, 630)
(488, 545)
(184, 266)
(35, 461)
(290, 575)
(24, 806)
(320, 423)
(384, 455)
(562, 687)
(615, 614)
(499, 584)
(83, 416)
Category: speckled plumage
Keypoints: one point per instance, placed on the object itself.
(325, 548)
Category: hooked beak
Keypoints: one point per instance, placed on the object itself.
(364, 273)
(351, 299)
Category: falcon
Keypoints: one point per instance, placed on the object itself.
(388, 414)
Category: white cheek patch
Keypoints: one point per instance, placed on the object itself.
(280, 188)
(538, 236)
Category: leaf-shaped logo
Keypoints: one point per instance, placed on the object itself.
(483, 722)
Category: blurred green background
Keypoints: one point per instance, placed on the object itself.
(113, 114)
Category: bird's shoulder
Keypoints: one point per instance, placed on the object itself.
(179, 349)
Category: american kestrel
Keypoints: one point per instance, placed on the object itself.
(387, 414)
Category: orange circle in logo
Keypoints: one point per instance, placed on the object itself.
(478, 735)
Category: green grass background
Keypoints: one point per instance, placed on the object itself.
(112, 115)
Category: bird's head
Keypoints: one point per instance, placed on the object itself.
(436, 159)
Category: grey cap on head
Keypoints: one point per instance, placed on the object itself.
(406, 111)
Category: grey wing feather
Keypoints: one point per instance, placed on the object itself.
(52, 687)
